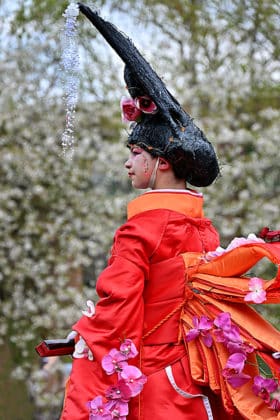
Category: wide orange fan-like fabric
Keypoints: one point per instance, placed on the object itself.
(220, 286)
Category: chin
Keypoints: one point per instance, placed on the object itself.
(139, 187)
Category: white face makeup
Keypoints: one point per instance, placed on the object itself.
(140, 166)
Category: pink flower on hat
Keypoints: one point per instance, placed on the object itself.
(133, 108)
(145, 104)
(129, 110)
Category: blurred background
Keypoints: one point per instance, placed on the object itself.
(58, 216)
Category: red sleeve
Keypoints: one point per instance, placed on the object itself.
(119, 311)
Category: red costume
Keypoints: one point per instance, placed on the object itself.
(145, 295)
(160, 225)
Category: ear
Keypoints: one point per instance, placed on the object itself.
(164, 165)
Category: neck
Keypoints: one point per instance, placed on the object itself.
(168, 181)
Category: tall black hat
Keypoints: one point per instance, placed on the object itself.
(168, 132)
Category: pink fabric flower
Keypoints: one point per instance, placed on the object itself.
(113, 362)
(201, 328)
(223, 324)
(134, 379)
(130, 383)
(239, 347)
(98, 409)
(257, 294)
(119, 391)
(238, 379)
(236, 362)
(229, 334)
(275, 400)
(275, 404)
(263, 387)
(233, 370)
(118, 409)
(133, 108)
(145, 104)
(129, 110)
(128, 349)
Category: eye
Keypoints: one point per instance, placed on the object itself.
(136, 150)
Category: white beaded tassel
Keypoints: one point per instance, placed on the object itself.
(70, 75)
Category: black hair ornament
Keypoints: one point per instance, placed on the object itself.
(164, 128)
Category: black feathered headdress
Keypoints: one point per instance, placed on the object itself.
(166, 131)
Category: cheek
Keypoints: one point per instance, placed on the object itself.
(146, 165)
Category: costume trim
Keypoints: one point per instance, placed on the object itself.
(186, 203)
(185, 394)
(175, 191)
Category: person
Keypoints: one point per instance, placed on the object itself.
(166, 339)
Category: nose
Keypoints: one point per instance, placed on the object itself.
(127, 163)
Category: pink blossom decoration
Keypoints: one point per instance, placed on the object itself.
(145, 104)
(133, 108)
(118, 409)
(275, 400)
(234, 342)
(233, 370)
(229, 334)
(224, 331)
(128, 348)
(133, 378)
(113, 362)
(256, 294)
(263, 387)
(201, 328)
(239, 347)
(119, 391)
(130, 383)
(223, 325)
(98, 409)
(129, 110)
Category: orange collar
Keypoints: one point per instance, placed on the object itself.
(187, 202)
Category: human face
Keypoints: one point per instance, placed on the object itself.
(139, 165)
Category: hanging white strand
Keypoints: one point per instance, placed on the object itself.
(70, 75)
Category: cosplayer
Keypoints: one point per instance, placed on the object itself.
(172, 335)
